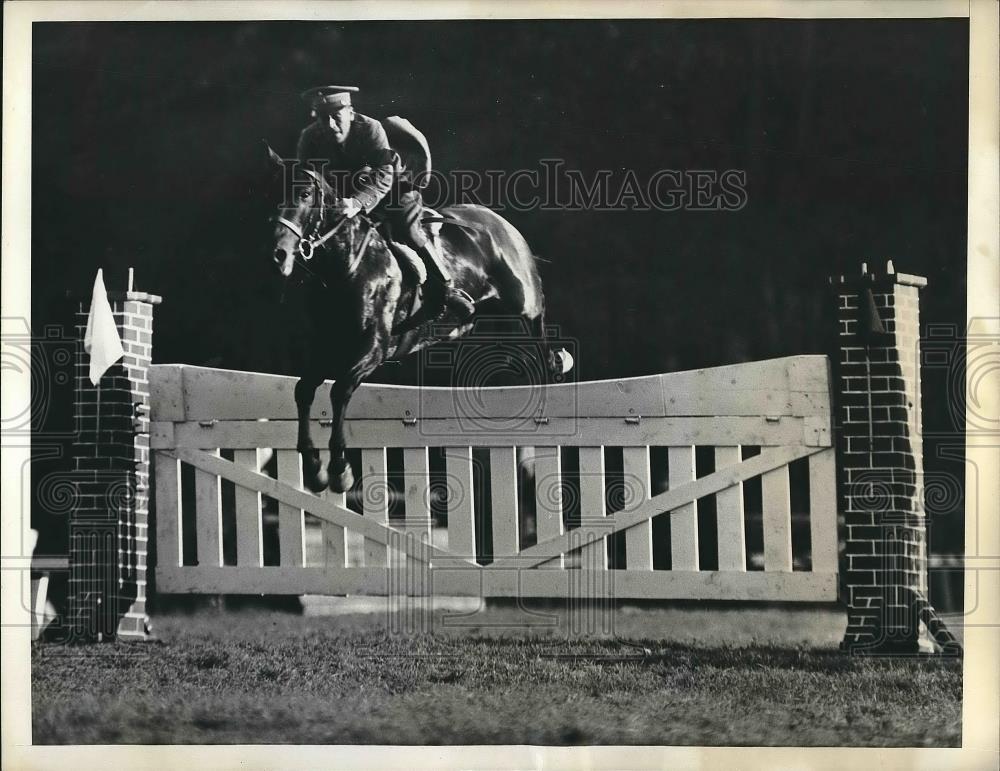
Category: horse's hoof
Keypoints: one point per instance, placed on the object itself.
(343, 481)
(565, 359)
(317, 482)
(313, 476)
(561, 361)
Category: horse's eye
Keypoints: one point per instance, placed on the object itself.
(305, 196)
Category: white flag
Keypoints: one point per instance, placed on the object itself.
(101, 341)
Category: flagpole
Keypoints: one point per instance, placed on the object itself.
(94, 559)
(97, 438)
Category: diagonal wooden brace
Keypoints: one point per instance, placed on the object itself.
(768, 460)
(318, 507)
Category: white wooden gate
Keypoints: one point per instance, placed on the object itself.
(223, 423)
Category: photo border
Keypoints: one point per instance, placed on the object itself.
(981, 691)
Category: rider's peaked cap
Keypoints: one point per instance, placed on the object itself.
(329, 97)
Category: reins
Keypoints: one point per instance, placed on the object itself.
(312, 244)
(307, 246)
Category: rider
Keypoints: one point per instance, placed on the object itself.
(342, 142)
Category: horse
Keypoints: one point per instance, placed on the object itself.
(358, 301)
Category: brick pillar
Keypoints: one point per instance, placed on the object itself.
(109, 528)
(880, 460)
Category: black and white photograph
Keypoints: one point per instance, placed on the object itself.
(422, 377)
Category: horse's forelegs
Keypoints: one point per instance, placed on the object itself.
(340, 474)
(313, 475)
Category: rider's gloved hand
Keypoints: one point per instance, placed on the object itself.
(349, 207)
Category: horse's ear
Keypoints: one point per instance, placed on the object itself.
(272, 156)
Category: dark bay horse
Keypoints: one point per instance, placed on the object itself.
(358, 301)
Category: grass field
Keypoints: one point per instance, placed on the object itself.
(257, 677)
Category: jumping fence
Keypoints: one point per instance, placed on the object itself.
(510, 492)
(780, 408)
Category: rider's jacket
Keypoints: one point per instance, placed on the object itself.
(365, 161)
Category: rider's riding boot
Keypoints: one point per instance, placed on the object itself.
(439, 290)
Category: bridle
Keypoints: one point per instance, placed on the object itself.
(308, 244)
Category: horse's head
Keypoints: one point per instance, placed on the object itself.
(310, 220)
(301, 218)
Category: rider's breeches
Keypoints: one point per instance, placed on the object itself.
(404, 216)
(404, 213)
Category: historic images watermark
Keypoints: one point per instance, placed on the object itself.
(552, 186)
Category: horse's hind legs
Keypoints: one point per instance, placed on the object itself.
(313, 475)
(557, 362)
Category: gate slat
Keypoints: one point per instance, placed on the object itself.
(334, 536)
(577, 430)
(777, 506)
(249, 540)
(548, 499)
(291, 532)
(638, 538)
(354, 548)
(169, 523)
(461, 512)
(353, 542)
(416, 473)
(593, 556)
(375, 500)
(415, 579)
(683, 519)
(755, 586)
(731, 525)
(503, 500)
(823, 511)
(789, 385)
(208, 517)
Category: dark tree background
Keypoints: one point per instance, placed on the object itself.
(146, 150)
